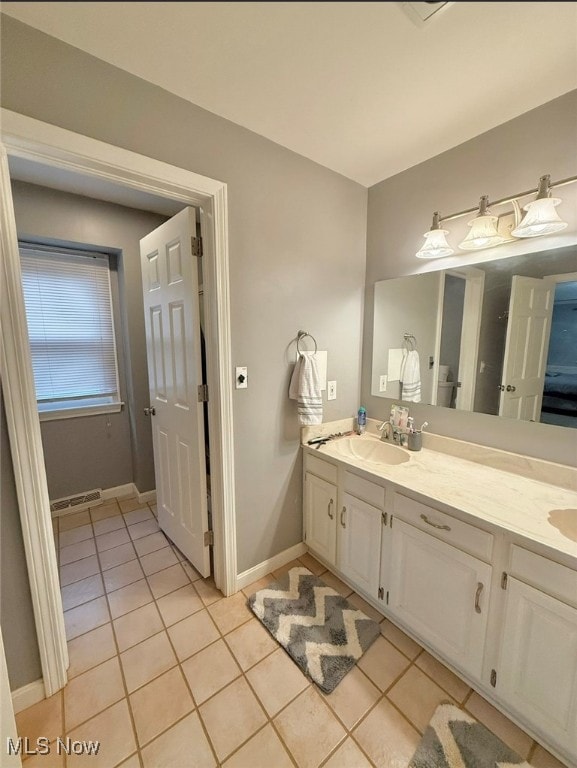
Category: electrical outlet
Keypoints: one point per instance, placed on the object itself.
(241, 377)
(331, 390)
(383, 384)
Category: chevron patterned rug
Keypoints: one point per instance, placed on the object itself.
(323, 633)
(454, 739)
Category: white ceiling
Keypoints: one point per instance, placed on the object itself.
(355, 86)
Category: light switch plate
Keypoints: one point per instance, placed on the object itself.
(383, 384)
(241, 377)
(331, 390)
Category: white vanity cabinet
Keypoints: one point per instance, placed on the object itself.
(537, 670)
(320, 508)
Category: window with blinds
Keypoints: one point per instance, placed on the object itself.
(71, 328)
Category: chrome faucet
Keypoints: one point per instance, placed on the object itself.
(386, 430)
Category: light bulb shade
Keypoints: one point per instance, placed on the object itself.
(483, 234)
(435, 245)
(541, 219)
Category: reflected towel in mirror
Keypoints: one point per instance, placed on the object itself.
(411, 377)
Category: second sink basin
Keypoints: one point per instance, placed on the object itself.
(371, 450)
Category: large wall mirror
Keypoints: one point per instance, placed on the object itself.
(497, 338)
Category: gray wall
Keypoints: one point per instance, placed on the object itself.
(505, 160)
(100, 451)
(297, 237)
(16, 615)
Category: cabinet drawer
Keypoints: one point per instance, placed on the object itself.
(444, 527)
(550, 577)
(365, 490)
(321, 468)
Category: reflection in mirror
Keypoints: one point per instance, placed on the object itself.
(498, 338)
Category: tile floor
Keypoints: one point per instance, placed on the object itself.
(167, 673)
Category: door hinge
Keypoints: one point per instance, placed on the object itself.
(493, 677)
(385, 518)
(203, 393)
(504, 579)
(196, 246)
(209, 538)
(391, 521)
(381, 593)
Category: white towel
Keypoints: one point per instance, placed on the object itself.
(305, 388)
(411, 377)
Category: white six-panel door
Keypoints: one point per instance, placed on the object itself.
(171, 307)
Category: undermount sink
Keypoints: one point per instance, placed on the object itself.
(565, 520)
(371, 450)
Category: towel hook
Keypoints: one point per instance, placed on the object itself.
(301, 335)
(410, 341)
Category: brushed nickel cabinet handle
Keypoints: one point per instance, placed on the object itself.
(478, 597)
(330, 509)
(343, 513)
(435, 525)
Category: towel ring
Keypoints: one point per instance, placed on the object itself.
(410, 341)
(301, 335)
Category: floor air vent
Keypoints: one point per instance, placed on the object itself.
(76, 503)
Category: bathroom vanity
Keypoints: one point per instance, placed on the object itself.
(477, 564)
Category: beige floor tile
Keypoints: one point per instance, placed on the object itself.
(129, 598)
(158, 561)
(185, 744)
(122, 575)
(543, 759)
(108, 525)
(250, 589)
(112, 539)
(91, 692)
(276, 681)
(500, 725)
(132, 762)
(398, 638)
(365, 607)
(339, 586)
(88, 616)
(179, 556)
(145, 528)
(137, 625)
(386, 737)
(207, 590)
(137, 515)
(312, 564)
(309, 729)
(150, 543)
(352, 698)
(417, 697)
(113, 557)
(91, 649)
(77, 551)
(230, 612)
(168, 580)
(109, 509)
(130, 503)
(79, 570)
(210, 670)
(113, 729)
(192, 634)
(179, 604)
(66, 522)
(231, 717)
(348, 755)
(53, 760)
(192, 573)
(264, 750)
(250, 643)
(158, 705)
(443, 677)
(75, 535)
(286, 568)
(145, 661)
(382, 663)
(82, 592)
(42, 719)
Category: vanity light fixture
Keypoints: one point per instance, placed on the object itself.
(483, 232)
(541, 217)
(435, 245)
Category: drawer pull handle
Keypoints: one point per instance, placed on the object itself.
(330, 509)
(478, 597)
(435, 525)
(343, 513)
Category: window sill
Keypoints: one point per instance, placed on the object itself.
(75, 413)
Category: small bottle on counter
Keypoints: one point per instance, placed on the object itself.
(361, 421)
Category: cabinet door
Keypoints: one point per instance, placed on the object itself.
(320, 517)
(537, 674)
(359, 546)
(441, 593)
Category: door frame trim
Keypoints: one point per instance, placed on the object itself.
(49, 145)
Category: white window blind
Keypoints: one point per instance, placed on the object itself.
(70, 326)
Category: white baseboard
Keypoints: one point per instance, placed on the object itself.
(147, 496)
(30, 694)
(127, 489)
(260, 570)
